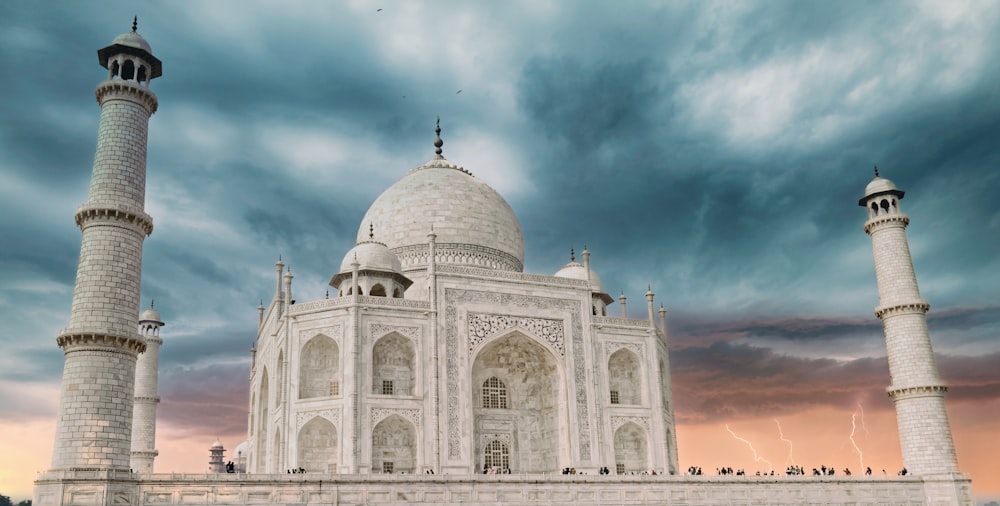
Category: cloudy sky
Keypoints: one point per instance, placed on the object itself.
(713, 150)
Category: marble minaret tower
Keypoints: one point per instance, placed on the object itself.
(916, 389)
(146, 397)
(101, 343)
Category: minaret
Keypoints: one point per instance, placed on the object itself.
(146, 398)
(217, 458)
(94, 428)
(916, 389)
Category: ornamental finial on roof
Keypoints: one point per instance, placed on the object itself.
(151, 301)
(876, 171)
(437, 139)
(572, 255)
(371, 231)
(135, 23)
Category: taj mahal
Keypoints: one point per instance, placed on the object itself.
(435, 370)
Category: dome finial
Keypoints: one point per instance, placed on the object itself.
(371, 231)
(151, 302)
(572, 255)
(437, 139)
(135, 23)
(876, 170)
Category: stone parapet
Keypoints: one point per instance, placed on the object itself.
(285, 489)
(135, 218)
(128, 90)
(895, 220)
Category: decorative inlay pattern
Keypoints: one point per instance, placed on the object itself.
(486, 439)
(453, 296)
(390, 301)
(618, 421)
(510, 275)
(332, 415)
(377, 330)
(334, 332)
(376, 415)
(417, 254)
(612, 346)
(620, 322)
(483, 326)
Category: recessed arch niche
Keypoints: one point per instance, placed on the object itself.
(530, 424)
(317, 446)
(319, 368)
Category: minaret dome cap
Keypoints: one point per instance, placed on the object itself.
(131, 43)
(880, 186)
(133, 39)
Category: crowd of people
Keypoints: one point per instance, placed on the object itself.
(792, 470)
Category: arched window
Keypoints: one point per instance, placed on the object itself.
(393, 366)
(494, 394)
(377, 291)
(396, 294)
(496, 455)
(624, 377)
(114, 70)
(128, 70)
(142, 73)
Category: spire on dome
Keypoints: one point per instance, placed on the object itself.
(151, 303)
(135, 23)
(437, 140)
(572, 255)
(371, 231)
(876, 171)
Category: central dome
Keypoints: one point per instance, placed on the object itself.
(474, 224)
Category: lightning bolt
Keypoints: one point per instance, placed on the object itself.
(863, 426)
(756, 457)
(781, 434)
(854, 428)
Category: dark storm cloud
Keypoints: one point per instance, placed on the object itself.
(716, 152)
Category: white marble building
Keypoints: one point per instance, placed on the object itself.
(439, 354)
(436, 354)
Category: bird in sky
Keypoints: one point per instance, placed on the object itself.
(457, 92)
(378, 10)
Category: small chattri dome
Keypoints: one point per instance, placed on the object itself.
(373, 256)
(879, 185)
(217, 444)
(576, 270)
(133, 39)
(150, 315)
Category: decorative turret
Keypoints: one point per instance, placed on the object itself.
(146, 397)
(379, 271)
(217, 458)
(576, 270)
(916, 388)
(94, 428)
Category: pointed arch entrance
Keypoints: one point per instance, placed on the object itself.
(518, 402)
(317, 446)
(394, 446)
(631, 454)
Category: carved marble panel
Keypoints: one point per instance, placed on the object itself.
(377, 330)
(376, 415)
(483, 326)
(612, 346)
(618, 421)
(333, 415)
